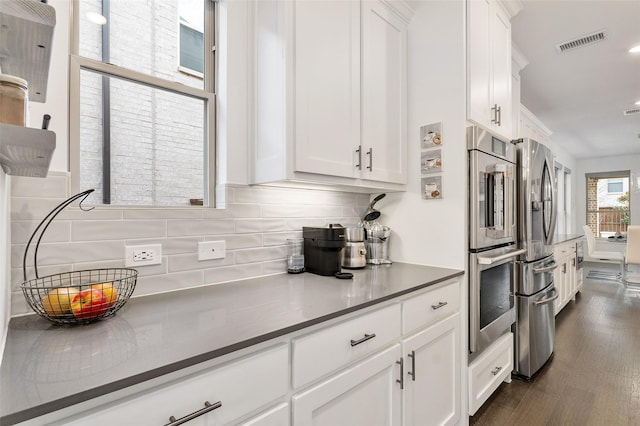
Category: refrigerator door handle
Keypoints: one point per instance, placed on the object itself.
(549, 268)
(549, 300)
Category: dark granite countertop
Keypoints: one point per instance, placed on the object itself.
(47, 367)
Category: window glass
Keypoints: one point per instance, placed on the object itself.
(608, 207)
(140, 76)
(614, 185)
(142, 35)
(151, 152)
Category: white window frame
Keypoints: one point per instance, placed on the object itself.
(78, 63)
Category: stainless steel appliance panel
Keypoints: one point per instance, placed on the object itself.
(492, 190)
(579, 254)
(535, 276)
(537, 210)
(535, 334)
(491, 296)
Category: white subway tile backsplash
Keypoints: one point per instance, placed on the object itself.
(185, 213)
(255, 226)
(117, 229)
(58, 231)
(238, 241)
(232, 273)
(182, 228)
(188, 262)
(73, 252)
(168, 282)
(260, 254)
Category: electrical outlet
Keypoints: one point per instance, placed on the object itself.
(208, 250)
(142, 255)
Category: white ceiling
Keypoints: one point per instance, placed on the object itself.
(580, 95)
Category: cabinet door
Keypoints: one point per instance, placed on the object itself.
(327, 86)
(501, 68)
(364, 394)
(383, 141)
(432, 375)
(479, 61)
(277, 416)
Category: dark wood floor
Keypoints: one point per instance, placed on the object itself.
(594, 375)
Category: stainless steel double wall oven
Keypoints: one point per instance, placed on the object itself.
(492, 237)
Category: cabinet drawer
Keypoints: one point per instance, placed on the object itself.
(489, 370)
(328, 349)
(431, 307)
(240, 387)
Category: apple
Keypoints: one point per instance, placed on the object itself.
(57, 302)
(89, 304)
(109, 291)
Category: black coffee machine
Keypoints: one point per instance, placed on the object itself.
(323, 248)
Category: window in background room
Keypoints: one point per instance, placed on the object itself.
(608, 207)
(142, 101)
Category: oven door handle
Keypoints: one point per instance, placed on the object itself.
(482, 260)
(549, 268)
(549, 300)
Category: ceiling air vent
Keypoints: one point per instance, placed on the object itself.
(632, 111)
(581, 41)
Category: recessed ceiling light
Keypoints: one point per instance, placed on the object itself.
(638, 103)
(635, 49)
(96, 18)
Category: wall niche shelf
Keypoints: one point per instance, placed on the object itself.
(26, 31)
(25, 151)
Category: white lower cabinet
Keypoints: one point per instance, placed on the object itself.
(491, 368)
(399, 364)
(232, 390)
(565, 277)
(432, 375)
(276, 416)
(367, 393)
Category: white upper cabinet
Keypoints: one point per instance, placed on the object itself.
(384, 88)
(330, 93)
(489, 90)
(327, 86)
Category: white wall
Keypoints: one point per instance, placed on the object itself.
(5, 287)
(434, 232)
(607, 164)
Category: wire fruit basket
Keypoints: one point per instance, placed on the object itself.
(77, 297)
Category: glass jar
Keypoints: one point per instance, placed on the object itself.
(13, 100)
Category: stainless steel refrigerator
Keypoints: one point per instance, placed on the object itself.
(535, 291)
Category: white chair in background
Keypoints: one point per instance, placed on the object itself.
(603, 256)
(632, 257)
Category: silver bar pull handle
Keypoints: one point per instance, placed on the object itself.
(359, 152)
(548, 300)
(412, 373)
(370, 154)
(496, 370)
(439, 305)
(207, 407)
(494, 112)
(489, 260)
(499, 116)
(363, 339)
(401, 379)
(549, 268)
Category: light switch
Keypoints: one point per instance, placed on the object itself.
(208, 250)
